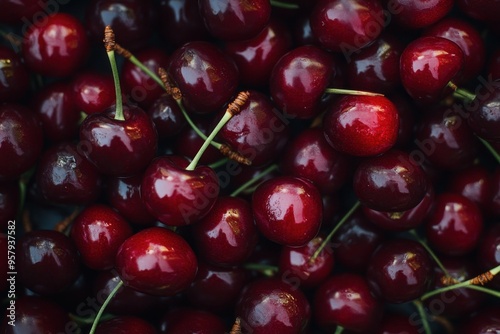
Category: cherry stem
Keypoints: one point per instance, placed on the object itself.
(339, 329)
(86, 321)
(423, 316)
(110, 45)
(236, 329)
(63, 224)
(463, 94)
(335, 229)
(265, 269)
(350, 92)
(279, 4)
(431, 253)
(483, 289)
(254, 180)
(480, 279)
(129, 56)
(219, 163)
(103, 306)
(26, 220)
(197, 129)
(491, 149)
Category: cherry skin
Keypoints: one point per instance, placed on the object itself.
(455, 225)
(484, 119)
(167, 117)
(346, 300)
(493, 67)
(272, 306)
(14, 79)
(116, 147)
(494, 202)
(420, 13)
(361, 125)
(14, 11)
(427, 65)
(186, 320)
(475, 183)
(58, 47)
(400, 270)
(394, 323)
(126, 324)
(488, 251)
(93, 92)
(287, 210)
(484, 321)
(9, 203)
(480, 9)
(21, 140)
(176, 196)
(98, 231)
(156, 261)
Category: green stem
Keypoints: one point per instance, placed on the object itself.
(195, 128)
(146, 70)
(118, 91)
(350, 92)
(494, 293)
(423, 316)
(285, 5)
(88, 321)
(491, 149)
(339, 329)
(254, 180)
(431, 253)
(103, 307)
(219, 163)
(266, 269)
(339, 224)
(464, 95)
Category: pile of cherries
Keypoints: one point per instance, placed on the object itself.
(326, 166)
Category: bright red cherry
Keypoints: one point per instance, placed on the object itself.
(415, 14)
(93, 92)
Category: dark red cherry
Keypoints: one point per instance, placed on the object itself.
(129, 19)
(427, 65)
(21, 140)
(244, 20)
(227, 235)
(256, 57)
(26, 11)
(400, 270)
(125, 324)
(394, 323)
(116, 147)
(14, 79)
(124, 195)
(272, 306)
(93, 92)
(259, 132)
(474, 183)
(167, 117)
(484, 118)
(186, 320)
(390, 182)
(480, 9)
(58, 112)
(455, 225)
(299, 79)
(494, 203)
(156, 261)
(98, 231)
(493, 67)
(58, 47)
(206, 76)
(64, 176)
(47, 261)
(356, 23)
(9, 203)
(346, 300)
(287, 210)
(488, 250)
(361, 125)
(484, 321)
(176, 196)
(418, 14)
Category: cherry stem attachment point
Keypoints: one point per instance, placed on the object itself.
(110, 44)
(254, 180)
(104, 305)
(350, 92)
(236, 329)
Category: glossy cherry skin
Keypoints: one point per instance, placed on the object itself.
(475, 183)
(156, 261)
(418, 14)
(64, 176)
(125, 324)
(47, 261)
(256, 57)
(176, 196)
(272, 306)
(124, 195)
(187, 320)
(356, 23)
(14, 11)
(14, 79)
(206, 76)
(227, 235)
(488, 251)
(390, 182)
(98, 231)
(455, 225)
(287, 210)
(400, 270)
(484, 321)
(58, 47)
(93, 92)
(427, 65)
(346, 300)
(9, 203)
(484, 119)
(167, 116)
(245, 19)
(21, 140)
(119, 148)
(361, 125)
(130, 20)
(299, 79)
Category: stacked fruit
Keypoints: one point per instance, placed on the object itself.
(250, 166)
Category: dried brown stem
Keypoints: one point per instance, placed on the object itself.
(235, 107)
(109, 39)
(26, 220)
(226, 151)
(122, 51)
(236, 329)
(171, 90)
(482, 279)
(63, 224)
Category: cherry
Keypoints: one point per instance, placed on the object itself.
(64, 176)
(227, 235)
(47, 261)
(9, 203)
(272, 306)
(427, 65)
(420, 13)
(494, 203)
(14, 79)
(58, 47)
(455, 225)
(167, 117)
(361, 125)
(394, 323)
(185, 320)
(484, 118)
(156, 261)
(474, 183)
(206, 76)
(93, 92)
(356, 23)
(484, 321)
(400, 270)
(15, 11)
(346, 300)
(245, 19)
(390, 182)
(287, 210)
(488, 250)
(480, 9)
(493, 67)
(126, 324)
(21, 140)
